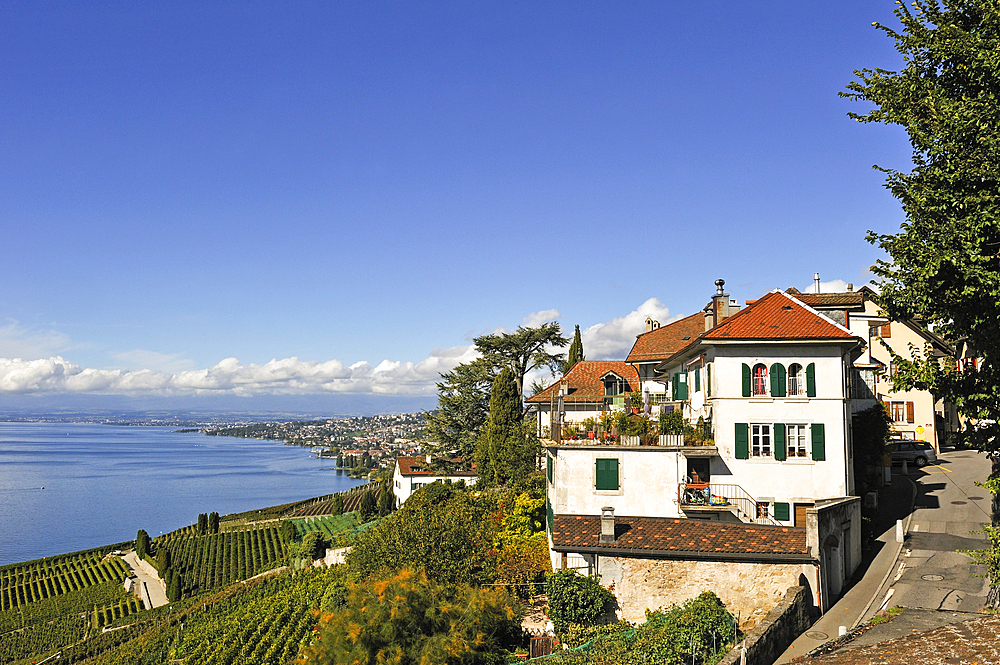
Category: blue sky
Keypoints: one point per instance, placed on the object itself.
(194, 190)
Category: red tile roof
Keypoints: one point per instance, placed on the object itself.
(666, 340)
(777, 315)
(664, 537)
(585, 383)
(848, 299)
(417, 466)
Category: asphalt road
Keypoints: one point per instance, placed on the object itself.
(932, 574)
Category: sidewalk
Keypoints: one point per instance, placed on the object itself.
(895, 502)
(154, 586)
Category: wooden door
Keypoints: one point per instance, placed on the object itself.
(800, 513)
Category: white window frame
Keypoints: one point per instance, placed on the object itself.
(761, 440)
(796, 441)
(758, 382)
(901, 406)
(796, 381)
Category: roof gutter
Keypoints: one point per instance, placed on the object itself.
(678, 555)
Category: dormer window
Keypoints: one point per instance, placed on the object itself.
(759, 379)
(613, 385)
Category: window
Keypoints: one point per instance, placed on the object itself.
(760, 379)
(606, 474)
(760, 440)
(796, 440)
(897, 411)
(763, 509)
(796, 380)
(885, 331)
(697, 380)
(863, 384)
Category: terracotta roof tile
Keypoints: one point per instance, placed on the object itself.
(585, 383)
(417, 466)
(825, 300)
(670, 535)
(777, 315)
(666, 340)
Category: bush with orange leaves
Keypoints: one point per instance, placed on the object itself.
(406, 619)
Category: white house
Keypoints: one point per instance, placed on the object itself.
(412, 473)
(590, 388)
(770, 383)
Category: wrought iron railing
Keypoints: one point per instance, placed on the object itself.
(724, 495)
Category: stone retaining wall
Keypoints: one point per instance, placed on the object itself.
(772, 636)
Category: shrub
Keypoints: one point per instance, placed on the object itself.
(575, 598)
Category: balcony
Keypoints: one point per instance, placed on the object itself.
(723, 497)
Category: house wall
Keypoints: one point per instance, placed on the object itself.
(748, 589)
(802, 480)
(924, 427)
(573, 413)
(648, 478)
(833, 534)
(402, 485)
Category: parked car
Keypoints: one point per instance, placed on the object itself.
(920, 453)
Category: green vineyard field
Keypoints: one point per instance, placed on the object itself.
(23, 584)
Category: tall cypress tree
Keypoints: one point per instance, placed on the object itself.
(575, 353)
(501, 450)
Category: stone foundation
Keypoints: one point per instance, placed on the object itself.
(749, 590)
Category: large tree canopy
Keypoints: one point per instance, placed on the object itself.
(464, 392)
(945, 261)
(504, 452)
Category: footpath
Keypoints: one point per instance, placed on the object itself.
(877, 565)
(153, 587)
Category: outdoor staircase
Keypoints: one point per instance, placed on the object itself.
(724, 496)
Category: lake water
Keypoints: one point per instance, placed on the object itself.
(103, 482)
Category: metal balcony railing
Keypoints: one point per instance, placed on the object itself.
(723, 495)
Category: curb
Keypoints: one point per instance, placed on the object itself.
(899, 548)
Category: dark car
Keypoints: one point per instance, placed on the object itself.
(920, 453)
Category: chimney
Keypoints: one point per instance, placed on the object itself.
(850, 287)
(607, 525)
(720, 303)
(816, 281)
(708, 317)
(649, 324)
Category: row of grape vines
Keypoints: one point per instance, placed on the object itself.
(37, 629)
(211, 561)
(109, 614)
(350, 499)
(29, 583)
(261, 622)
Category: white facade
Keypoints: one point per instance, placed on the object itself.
(405, 484)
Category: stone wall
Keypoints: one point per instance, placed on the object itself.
(749, 590)
(772, 636)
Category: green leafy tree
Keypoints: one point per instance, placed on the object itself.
(368, 505)
(448, 533)
(524, 350)
(213, 522)
(575, 598)
(142, 544)
(287, 531)
(386, 501)
(407, 618)
(337, 505)
(463, 406)
(464, 392)
(504, 452)
(870, 429)
(314, 545)
(945, 261)
(202, 524)
(575, 353)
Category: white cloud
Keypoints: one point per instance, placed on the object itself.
(614, 339)
(538, 318)
(17, 341)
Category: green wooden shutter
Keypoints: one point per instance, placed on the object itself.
(819, 441)
(780, 450)
(548, 467)
(682, 385)
(746, 380)
(811, 379)
(742, 440)
(697, 380)
(549, 517)
(607, 474)
(781, 511)
(777, 380)
(708, 380)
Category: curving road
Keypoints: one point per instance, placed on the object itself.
(157, 596)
